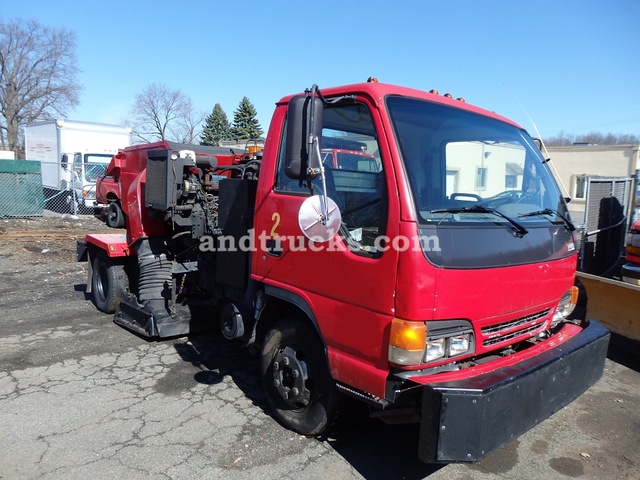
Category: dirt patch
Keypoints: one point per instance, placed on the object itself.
(40, 241)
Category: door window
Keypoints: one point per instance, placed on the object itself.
(354, 175)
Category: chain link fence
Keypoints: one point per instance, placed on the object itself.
(34, 188)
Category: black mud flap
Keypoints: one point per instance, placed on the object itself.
(151, 323)
(464, 421)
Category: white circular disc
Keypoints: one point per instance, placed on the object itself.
(311, 221)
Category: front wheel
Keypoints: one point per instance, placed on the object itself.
(296, 379)
(108, 283)
(115, 216)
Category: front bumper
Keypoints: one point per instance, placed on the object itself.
(91, 202)
(466, 420)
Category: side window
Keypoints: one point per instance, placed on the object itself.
(77, 167)
(77, 162)
(354, 175)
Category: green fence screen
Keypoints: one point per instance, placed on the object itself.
(20, 189)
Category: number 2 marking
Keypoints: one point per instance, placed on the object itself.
(276, 222)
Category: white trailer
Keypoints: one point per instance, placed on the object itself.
(73, 155)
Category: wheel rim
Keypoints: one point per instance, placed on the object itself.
(101, 280)
(291, 378)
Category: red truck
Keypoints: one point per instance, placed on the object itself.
(439, 285)
(349, 160)
(631, 269)
(108, 185)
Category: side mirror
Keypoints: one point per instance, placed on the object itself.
(538, 143)
(319, 218)
(304, 121)
(65, 161)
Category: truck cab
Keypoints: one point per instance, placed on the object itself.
(85, 170)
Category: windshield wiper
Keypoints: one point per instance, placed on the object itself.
(549, 211)
(518, 230)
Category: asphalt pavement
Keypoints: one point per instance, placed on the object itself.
(82, 398)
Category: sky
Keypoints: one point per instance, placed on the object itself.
(553, 66)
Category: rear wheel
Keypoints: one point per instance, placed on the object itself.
(108, 283)
(296, 379)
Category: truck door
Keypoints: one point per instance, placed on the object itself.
(77, 172)
(347, 283)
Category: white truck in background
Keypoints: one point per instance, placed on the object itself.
(73, 155)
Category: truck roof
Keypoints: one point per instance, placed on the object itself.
(379, 91)
(81, 125)
(167, 145)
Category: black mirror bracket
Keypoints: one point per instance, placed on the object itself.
(304, 129)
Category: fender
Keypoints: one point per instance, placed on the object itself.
(295, 300)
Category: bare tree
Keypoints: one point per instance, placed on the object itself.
(189, 125)
(38, 76)
(592, 138)
(160, 113)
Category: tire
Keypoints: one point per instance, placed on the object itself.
(115, 216)
(108, 283)
(296, 379)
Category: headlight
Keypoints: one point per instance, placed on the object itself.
(447, 347)
(416, 343)
(566, 305)
(435, 349)
(459, 344)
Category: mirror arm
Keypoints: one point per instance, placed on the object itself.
(324, 209)
(314, 146)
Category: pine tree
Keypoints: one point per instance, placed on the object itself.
(216, 127)
(245, 124)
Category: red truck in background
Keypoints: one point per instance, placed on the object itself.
(631, 270)
(438, 284)
(108, 185)
(349, 160)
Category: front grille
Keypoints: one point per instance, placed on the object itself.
(503, 332)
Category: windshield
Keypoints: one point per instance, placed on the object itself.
(464, 167)
(95, 166)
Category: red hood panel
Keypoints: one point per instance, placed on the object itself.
(482, 295)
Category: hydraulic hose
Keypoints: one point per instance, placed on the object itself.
(155, 282)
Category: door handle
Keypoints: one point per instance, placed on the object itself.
(274, 247)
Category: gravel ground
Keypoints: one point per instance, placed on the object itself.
(83, 398)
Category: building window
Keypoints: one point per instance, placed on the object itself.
(481, 178)
(510, 181)
(580, 187)
(513, 176)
